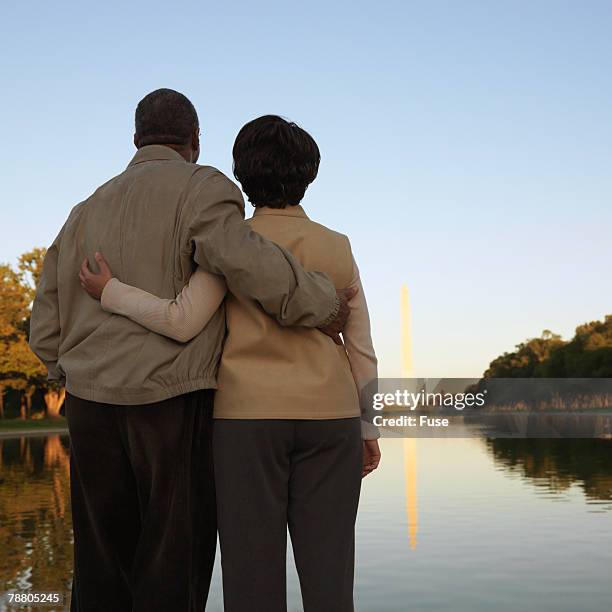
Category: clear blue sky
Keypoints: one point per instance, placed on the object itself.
(466, 146)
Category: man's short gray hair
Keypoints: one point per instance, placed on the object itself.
(165, 117)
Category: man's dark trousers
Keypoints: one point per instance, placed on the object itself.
(143, 504)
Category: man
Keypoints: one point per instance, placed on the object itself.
(138, 404)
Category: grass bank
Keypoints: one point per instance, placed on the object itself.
(32, 425)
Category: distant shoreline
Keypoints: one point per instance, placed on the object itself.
(12, 428)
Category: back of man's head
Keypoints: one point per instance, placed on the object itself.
(165, 117)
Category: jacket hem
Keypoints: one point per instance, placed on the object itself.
(135, 397)
(300, 415)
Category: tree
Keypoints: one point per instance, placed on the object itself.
(587, 355)
(30, 268)
(14, 303)
(20, 369)
(526, 361)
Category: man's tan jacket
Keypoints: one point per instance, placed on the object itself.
(153, 223)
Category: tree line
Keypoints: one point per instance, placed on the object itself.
(24, 389)
(587, 355)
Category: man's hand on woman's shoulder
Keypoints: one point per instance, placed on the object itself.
(334, 327)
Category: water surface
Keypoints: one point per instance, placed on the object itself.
(462, 525)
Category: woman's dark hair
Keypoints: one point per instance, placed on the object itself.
(275, 160)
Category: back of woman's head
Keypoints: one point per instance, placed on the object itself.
(275, 160)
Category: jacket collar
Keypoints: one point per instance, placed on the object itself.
(155, 152)
(290, 211)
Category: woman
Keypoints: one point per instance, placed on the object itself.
(288, 444)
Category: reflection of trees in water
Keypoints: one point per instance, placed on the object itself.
(35, 522)
(559, 463)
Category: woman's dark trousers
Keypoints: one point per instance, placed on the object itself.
(303, 474)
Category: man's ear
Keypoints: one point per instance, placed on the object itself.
(195, 144)
(136, 141)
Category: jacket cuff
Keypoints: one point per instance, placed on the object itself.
(333, 314)
(53, 372)
(369, 431)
